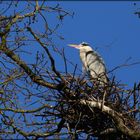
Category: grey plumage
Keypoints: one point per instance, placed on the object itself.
(92, 63)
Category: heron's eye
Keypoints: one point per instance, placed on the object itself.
(84, 44)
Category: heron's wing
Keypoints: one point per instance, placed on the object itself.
(96, 66)
(95, 62)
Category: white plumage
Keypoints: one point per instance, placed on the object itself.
(92, 62)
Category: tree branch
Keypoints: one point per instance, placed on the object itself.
(35, 78)
(47, 51)
(118, 118)
(26, 111)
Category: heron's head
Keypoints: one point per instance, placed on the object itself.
(82, 46)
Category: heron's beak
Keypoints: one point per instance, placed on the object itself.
(74, 46)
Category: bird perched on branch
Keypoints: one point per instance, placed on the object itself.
(92, 63)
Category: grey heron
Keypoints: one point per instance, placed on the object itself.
(92, 62)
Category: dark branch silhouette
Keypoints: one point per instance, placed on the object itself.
(37, 100)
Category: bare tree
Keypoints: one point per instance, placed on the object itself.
(39, 101)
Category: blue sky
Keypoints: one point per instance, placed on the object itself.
(110, 27)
